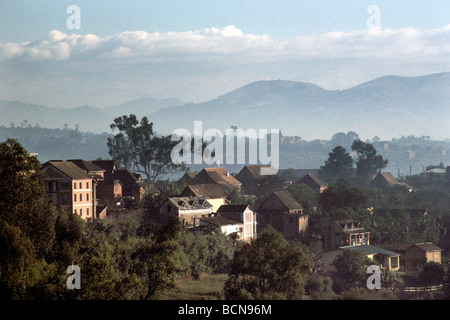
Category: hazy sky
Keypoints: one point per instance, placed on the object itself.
(110, 52)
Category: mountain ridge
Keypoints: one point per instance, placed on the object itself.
(388, 106)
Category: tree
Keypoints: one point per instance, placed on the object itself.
(26, 225)
(338, 165)
(344, 139)
(351, 268)
(368, 163)
(340, 196)
(304, 194)
(432, 274)
(139, 149)
(268, 267)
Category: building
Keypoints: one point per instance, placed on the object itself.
(413, 255)
(242, 214)
(133, 186)
(250, 177)
(214, 193)
(292, 175)
(342, 233)
(284, 214)
(219, 176)
(188, 209)
(229, 227)
(108, 190)
(388, 260)
(386, 180)
(313, 182)
(70, 187)
(189, 177)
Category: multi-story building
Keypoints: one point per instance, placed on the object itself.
(188, 209)
(342, 233)
(242, 214)
(70, 187)
(284, 214)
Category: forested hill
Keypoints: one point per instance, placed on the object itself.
(404, 153)
(58, 144)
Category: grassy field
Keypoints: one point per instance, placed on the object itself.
(208, 287)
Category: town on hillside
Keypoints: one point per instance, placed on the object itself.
(243, 204)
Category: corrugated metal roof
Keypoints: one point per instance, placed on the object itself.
(369, 250)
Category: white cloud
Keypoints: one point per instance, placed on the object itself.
(407, 43)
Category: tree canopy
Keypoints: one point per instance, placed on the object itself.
(338, 165)
(139, 149)
(368, 162)
(269, 267)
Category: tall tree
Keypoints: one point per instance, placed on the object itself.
(26, 224)
(368, 162)
(269, 267)
(338, 165)
(139, 149)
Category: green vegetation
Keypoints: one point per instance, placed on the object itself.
(131, 256)
(137, 148)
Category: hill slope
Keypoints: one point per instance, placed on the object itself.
(387, 107)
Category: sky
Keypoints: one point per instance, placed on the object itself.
(102, 53)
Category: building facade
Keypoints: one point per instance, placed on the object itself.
(71, 188)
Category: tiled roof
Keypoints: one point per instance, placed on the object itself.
(69, 169)
(190, 203)
(219, 176)
(389, 178)
(87, 165)
(288, 200)
(255, 170)
(108, 165)
(298, 173)
(209, 190)
(312, 178)
(428, 246)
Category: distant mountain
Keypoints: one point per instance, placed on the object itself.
(387, 107)
(86, 118)
(143, 107)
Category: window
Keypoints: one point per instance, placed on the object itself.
(87, 211)
(81, 212)
(87, 185)
(81, 197)
(81, 187)
(87, 196)
(74, 185)
(394, 262)
(75, 198)
(75, 211)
